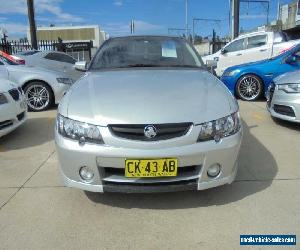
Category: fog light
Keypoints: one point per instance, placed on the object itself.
(214, 170)
(86, 173)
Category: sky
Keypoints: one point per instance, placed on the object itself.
(151, 16)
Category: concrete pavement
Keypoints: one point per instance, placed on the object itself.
(37, 212)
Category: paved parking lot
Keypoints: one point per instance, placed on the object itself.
(37, 212)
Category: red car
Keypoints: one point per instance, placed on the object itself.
(12, 58)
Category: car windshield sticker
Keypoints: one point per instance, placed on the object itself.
(168, 49)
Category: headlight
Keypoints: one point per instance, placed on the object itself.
(217, 129)
(3, 99)
(290, 87)
(80, 131)
(68, 81)
(231, 72)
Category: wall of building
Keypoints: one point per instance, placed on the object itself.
(71, 33)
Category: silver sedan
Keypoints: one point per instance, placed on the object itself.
(53, 60)
(284, 97)
(42, 87)
(147, 117)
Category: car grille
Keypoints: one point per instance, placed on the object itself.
(5, 124)
(14, 94)
(271, 93)
(284, 110)
(136, 131)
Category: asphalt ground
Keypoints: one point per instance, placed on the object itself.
(38, 212)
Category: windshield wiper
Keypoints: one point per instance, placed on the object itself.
(139, 65)
(185, 66)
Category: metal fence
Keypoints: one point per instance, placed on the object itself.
(12, 47)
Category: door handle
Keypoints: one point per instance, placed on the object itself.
(239, 54)
(263, 50)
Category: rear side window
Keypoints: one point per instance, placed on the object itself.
(60, 58)
(236, 46)
(256, 41)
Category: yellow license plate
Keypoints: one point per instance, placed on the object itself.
(151, 168)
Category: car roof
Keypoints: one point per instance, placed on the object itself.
(252, 34)
(146, 36)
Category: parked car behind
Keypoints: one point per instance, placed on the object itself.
(12, 58)
(13, 108)
(42, 87)
(251, 47)
(284, 97)
(250, 81)
(147, 117)
(53, 60)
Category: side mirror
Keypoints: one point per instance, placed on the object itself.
(223, 51)
(291, 59)
(81, 66)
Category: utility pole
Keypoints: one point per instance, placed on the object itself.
(186, 19)
(235, 18)
(30, 7)
(132, 27)
(278, 10)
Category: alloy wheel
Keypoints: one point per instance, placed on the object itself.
(37, 96)
(249, 88)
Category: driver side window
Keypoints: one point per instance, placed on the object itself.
(236, 46)
(297, 55)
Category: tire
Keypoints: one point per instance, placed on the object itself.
(249, 87)
(39, 96)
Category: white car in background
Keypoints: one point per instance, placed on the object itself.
(251, 47)
(42, 87)
(53, 60)
(13, 108)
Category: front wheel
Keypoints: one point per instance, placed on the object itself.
(249, 88)
(39, 96)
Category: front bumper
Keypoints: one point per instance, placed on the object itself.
(72, 157)
(12, 115)
(288, 101)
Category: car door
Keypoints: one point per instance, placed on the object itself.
(230, 55)
(52, 60)
(257, 48)
(64, 63)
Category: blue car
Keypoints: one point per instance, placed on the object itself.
(250, 81)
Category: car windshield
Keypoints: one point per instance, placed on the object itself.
(130, 52)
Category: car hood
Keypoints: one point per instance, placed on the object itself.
(148, 97)
(291, 77)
